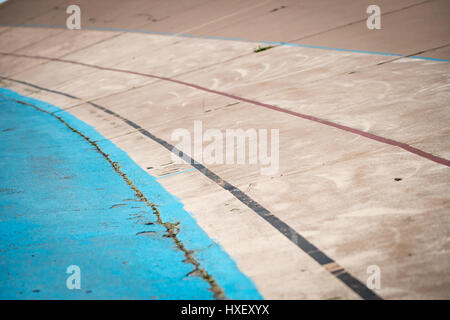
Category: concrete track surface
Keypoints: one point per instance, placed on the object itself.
(363, 118)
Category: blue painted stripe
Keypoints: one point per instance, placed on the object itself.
(353, 51)
(58, 205)
(237, 39)
(331, 48)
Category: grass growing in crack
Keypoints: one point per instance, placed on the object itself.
(259, 49)
(172, 229)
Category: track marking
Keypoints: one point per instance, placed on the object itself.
(329, 123)
(310, 249)
(186, 35)
(220, 278)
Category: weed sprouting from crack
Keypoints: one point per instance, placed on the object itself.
(259, 49)
(172, 229)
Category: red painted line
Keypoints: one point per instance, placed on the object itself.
(368, 135)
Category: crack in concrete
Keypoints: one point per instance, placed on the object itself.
(172, 229)
(301, 242)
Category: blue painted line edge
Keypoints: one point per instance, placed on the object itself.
(186, 35)
(208, 253)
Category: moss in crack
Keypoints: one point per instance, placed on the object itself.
(259, 49)
(172, 229)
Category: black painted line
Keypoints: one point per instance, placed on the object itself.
(319, 256)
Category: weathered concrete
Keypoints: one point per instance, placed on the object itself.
(67, 204)
(335, 188)
(408, 26)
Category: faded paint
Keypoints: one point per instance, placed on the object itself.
(65, 205)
